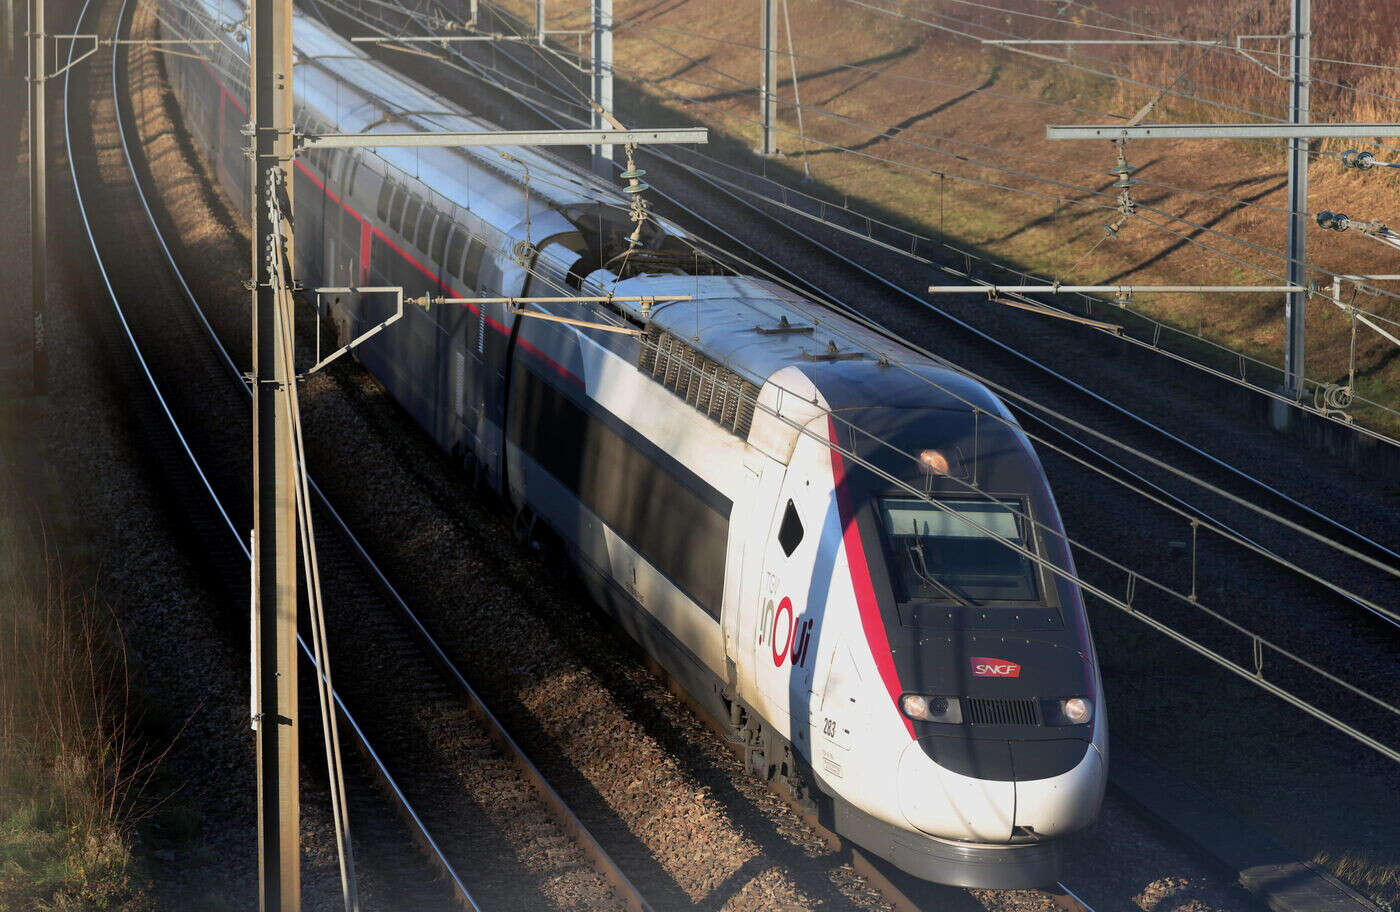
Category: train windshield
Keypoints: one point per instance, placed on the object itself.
(955, 550)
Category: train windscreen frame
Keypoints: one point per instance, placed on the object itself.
(937, 552)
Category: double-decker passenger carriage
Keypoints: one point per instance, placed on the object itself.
(843, 549)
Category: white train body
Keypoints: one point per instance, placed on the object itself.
(769, 570)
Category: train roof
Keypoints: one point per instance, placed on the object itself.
(757, 328)
(735, 320)
(347, 91)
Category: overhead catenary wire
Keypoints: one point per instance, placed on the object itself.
(1312, 710)
(880, 134)
(1163, 328)
(1165, 467)
(1069, 63)
(1064, 185)
(1193, 362)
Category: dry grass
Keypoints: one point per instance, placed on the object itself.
(70, 776)
(949, 143)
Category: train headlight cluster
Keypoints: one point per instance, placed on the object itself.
(931, 709)
(1073, 711)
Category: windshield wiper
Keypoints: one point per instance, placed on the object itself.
(920, 565)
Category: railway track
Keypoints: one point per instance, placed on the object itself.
(365, 593)
(1091, 443)
(1214, 442)
(416, 692)
(354, 583)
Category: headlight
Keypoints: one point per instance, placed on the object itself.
(1071, 711)
(931, 709)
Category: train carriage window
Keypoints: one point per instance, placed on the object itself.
(790, 532)
(455, 248)
(386, 194)
(410, 216)
(425, 227)
(352, 170)
(396, 204)
(439, 249)
(472, 268)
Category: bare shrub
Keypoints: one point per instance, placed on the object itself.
(71, 773)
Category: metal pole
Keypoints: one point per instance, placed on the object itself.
(7, 39)
(602, 80)
(1295, 309)
(38, 195)
(274, 506)
(539, 21)
(769, 83)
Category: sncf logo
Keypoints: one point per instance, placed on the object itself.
(994, 668)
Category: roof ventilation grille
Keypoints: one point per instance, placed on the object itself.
(712, 389)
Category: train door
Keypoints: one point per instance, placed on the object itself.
(796, 579)
(748, 537)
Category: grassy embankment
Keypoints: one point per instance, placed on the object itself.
(918, 103)
(69, 775)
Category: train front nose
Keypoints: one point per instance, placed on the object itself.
(957, 787)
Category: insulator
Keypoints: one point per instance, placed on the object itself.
(1124, 168)
(632, 173)
(1111, 230)
(636, 188)
(1361, 160)
(1336, 221)
(1123, 183)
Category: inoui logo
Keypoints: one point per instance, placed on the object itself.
(796, 634)
(984, 667)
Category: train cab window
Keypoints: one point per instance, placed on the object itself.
(439, 248)
(454, 250)
(425, 227)
(386, 195)
(790, 532)
(957, 550)
(410, 216)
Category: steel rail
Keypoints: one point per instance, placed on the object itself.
(463, 893)
(1227, 664)
(1051, 372)
(568, 821)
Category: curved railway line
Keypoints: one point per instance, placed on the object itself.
(1099, 444)
(455, 840)
(355, 584)
(189, 372)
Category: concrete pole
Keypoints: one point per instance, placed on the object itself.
(539, 21)
(1295, 308)
(602, 81)
(38, 195)
(274, 506)
(768, 92)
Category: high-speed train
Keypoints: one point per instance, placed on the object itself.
(846, 552)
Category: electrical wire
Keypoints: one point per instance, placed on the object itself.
(1154, 346)
(1255, 676)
